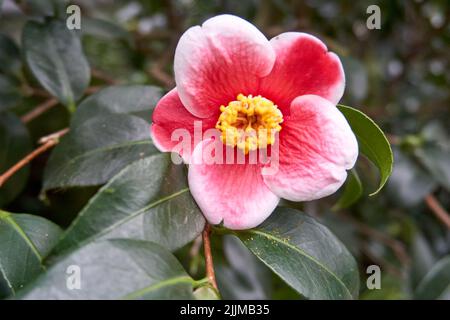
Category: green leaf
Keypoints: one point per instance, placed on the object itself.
(114, 269)
(96, 150)
(206, 293)
(436, 284)
(148, 200)
(104, 130)
(9, 55)
(305, 254)
(352, 191)
(343, 230)
(245, 277)
(14, 145)
(436, 161)
(24, 241)
(10, 94)
(136, 100)
(372, 142)
(55, 57)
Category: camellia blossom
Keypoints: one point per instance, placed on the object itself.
(254, 93)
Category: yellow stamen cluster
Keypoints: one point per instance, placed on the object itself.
(249, 122)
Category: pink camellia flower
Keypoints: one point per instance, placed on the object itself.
(256, 93)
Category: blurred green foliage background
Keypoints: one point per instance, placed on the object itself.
(398, 75)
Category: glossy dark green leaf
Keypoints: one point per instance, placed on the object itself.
(305, 254)
(352, 191)
(244, 277)
(436, 284)
(137, 100)
(148, 200)
(9, 55)
(343, 230)
(114, 269)
(55, 56)
(14, 145)
(437, 161)
(10, 94)
(96, 150)
(206, 293)
(372, 142)
(24, 241)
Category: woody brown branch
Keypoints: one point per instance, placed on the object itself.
(48, 104)
(210, 274)
(440, 213)
(40, 109)
(47, 143)
(103, 76)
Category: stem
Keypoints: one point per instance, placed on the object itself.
(103, 76)
(208, 256)
(49, 103)
(48, 142)
(72, 107)
(40, 109)
(93, 89)
(200, 283)
(438, 210)
(53, 136)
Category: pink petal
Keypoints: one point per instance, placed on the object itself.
(215, 62)
(233, 193)
(303, 66)
(170, 115)
(316, 148)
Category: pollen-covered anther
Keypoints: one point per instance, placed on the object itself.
(249, 122)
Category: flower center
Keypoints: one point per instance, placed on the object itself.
(249, 122)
